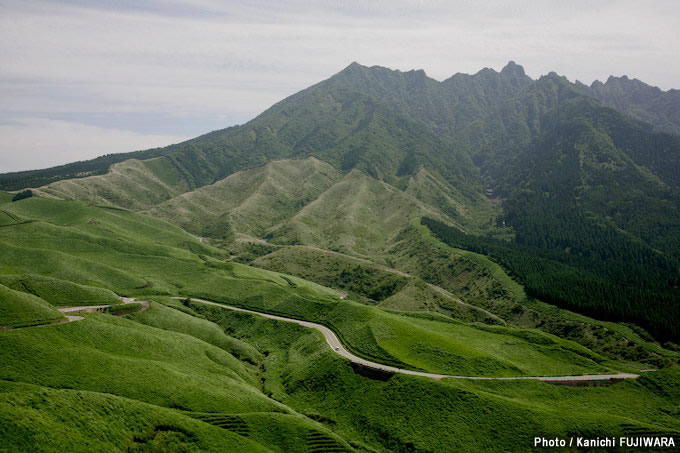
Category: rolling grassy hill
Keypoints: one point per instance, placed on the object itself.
(250, 201)
(89, 246)
(190, 376)
(357, 215)
(18, 309)
(417, 219)
(561, 170)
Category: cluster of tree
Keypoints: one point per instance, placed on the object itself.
(614, 280)
(21, 195)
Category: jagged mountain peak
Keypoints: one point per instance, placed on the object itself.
(513, 69)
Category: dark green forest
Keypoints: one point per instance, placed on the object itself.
(583, 267)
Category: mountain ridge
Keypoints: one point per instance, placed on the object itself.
(532, 161)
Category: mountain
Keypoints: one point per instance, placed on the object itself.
(640, 101)
(491, 153)
(489, 225)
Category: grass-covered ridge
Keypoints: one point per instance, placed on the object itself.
(189, 376)
(18, 309)
(405, 411)
(86, 245)
(250, 201)
(59, 292)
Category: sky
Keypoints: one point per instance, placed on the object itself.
(83, 78)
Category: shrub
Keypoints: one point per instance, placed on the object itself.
(21, 195)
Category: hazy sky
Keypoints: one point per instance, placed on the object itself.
(82, 78)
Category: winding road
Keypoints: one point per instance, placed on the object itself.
(336, 346)
(70, 313)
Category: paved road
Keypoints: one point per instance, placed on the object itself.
(69, 313)
(102, 308)
(336, 346)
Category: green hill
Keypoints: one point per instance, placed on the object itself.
(426, 223)
(130, 184)
(182, 375)
(18, 309)
(250, 201)
(356, 215)
(538, 162)
(58, 292)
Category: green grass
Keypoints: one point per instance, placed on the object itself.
(132, 184)
(7, 218)
(356, 216)
(450, 415)
(108, 354)
(162, 169)
(36, 418)
(6, 197)
(59, 292)
(495, 270)
(250, 201)
(358, 278)
(147, 262)
(278, 380)
(136, 255)
(18, 309)
(403, 340)
(183, 322)
(124, 309)
(158, 378)
(366, 281)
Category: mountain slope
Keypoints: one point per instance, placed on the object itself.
(357, 215)
(559, 170)
(250, 201)
(131, 184)
(641, 101)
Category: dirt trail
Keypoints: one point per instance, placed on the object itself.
(338, 348)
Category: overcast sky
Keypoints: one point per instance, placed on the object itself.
(82, 78)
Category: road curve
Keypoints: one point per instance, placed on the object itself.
(70, 313)
(336, 346)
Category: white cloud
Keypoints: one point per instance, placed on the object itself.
(39, 143)
(235, 59)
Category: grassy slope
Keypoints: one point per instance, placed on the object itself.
(36, 418)
(390, 337)
(59, 292)
(357, 216)
(470, 213)
(452, 415)
(150, 371)
(471, 276)
(308, 201)
(112, 355)
(5, 197)
(175, 361)
(367, 281)
(176, 320)
(89, 245)
(483, 282)
(132, 184)
(516, 290)
(249, 201)
(20, 309)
